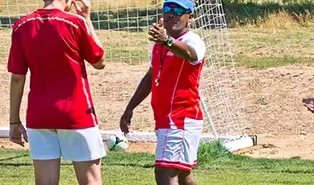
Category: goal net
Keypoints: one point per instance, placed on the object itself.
(122, 27)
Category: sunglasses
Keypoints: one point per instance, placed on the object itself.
(176, 10)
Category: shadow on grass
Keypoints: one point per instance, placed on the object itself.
(11, 160)
(2, 160)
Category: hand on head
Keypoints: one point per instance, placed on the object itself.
(84, 9)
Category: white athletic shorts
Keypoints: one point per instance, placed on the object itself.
(73, 145)
(177, 148)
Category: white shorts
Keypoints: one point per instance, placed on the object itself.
(177, 148)
(73, 145)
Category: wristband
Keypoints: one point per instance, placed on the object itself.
(169, 42)
(16, 123)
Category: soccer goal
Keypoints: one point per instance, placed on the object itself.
(122, 27)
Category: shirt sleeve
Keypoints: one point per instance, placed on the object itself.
(89, 49)
(17, 63)
(195, 42)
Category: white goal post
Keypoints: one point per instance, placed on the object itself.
(122, 27)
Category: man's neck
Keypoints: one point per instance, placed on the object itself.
(178, 33)
(53, 5)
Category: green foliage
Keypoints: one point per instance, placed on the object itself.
(209, 152)
(241, 13)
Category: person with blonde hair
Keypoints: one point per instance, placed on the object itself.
(53, 45)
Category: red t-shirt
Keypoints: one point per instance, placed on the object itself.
(53, 45)
(175, 93)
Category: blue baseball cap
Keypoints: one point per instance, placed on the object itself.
(187, 4)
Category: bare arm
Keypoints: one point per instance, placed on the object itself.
(102, 62)
(142, 91)
(183, 50)
(16, 94)
(85, 11)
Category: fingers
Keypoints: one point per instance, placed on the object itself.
(312, 110)
(309, 105)
(154, 39)
(156, 27)
(124, 128)
(17, 141)
(161, 22)
(124, 125)
(77, 7)
(153, 34)
(18, 134)
(85, 3)
(23, 132)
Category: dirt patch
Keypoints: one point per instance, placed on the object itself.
(272, 101)
(7, 144)
(288, 146)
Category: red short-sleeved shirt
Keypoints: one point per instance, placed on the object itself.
(53, 45)
(176, 97)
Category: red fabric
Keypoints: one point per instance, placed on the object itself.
(176, 97)
(176, 165)
(53, 45)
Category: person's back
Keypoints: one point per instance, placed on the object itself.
(61, 122)
(55, 47)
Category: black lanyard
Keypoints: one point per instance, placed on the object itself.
(161, 63)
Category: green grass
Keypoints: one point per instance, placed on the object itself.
(264, 48)
(271, 62)
(217, 166)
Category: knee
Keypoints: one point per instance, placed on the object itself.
(185, 178)
(166, 176)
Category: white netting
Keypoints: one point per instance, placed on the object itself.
(122, 27)
(221, 95)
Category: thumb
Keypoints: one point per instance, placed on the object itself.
(161, 22)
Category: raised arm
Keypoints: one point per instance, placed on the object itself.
(91, 47)
(191, 49)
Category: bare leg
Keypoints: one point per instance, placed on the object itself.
(185, 178)
(88, 172)
(47, 172)
(166, 176)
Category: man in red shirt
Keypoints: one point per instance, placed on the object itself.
(61, 122)
(173, 78)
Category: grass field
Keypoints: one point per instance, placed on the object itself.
(218, 168)
(274, 42)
